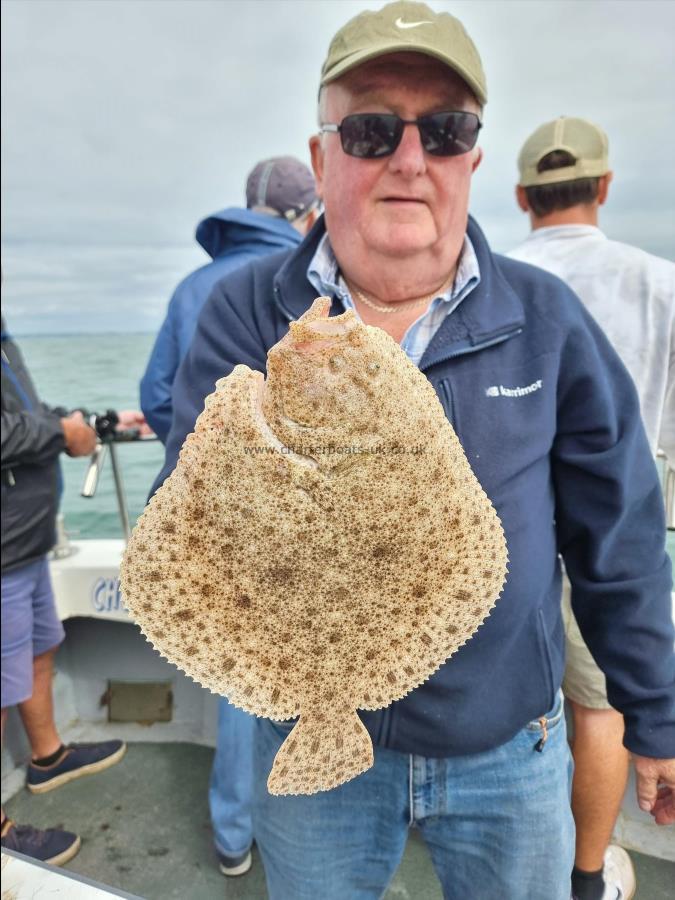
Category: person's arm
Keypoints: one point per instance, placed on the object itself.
(37, 438)
(132, 419)
(80, 437)
(611, 530)
(157, 381)
(655, 783)
(30, 438)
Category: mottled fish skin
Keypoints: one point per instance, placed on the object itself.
(322, 545)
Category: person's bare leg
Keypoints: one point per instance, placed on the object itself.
(600, 775)
(37, 713)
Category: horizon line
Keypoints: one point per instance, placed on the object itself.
(51, 334)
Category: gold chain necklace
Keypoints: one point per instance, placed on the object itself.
(408, 304)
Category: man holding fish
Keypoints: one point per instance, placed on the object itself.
(476, 757)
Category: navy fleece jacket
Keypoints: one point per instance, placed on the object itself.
(549, 420)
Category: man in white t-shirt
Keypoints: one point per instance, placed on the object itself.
(564, 180)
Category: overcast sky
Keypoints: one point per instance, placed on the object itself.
(124, 122)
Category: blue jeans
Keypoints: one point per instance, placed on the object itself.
(498, 824)
(231, 784)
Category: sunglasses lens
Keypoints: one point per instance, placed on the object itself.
(450, 133)
(372, 135)
(369, 135)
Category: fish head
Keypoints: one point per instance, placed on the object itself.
(324, 373)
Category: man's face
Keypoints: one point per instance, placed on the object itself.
(410, 202)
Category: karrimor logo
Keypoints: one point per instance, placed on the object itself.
(498, 390)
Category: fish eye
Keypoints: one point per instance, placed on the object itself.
(336, 362)
(373, 368)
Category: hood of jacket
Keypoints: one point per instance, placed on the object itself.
(237, 228)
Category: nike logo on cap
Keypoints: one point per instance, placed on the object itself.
(399, 23)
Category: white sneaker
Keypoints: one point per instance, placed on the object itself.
(619, 874)
(235, 865)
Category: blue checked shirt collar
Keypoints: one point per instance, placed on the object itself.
(327, 281)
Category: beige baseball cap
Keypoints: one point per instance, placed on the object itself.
(582, 139)
(405, 26)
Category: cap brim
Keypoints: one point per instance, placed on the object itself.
(356, 59)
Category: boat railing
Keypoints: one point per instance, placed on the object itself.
(108, 447)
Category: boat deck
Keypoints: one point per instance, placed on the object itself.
(145, 830)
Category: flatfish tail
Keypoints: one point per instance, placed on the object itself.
(320, 753)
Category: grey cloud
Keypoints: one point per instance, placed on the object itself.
(126, 121)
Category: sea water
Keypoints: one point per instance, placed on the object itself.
(97, 372)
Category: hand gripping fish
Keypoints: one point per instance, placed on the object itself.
(322, 545)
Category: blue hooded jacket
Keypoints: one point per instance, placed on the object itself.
(231, 237)
(549, 420)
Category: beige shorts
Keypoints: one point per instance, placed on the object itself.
(583, 681)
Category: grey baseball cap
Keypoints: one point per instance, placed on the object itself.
(281, 183)
(410, 27)
(583, 140)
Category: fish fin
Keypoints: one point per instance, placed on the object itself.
(319, 309)
(319, 755)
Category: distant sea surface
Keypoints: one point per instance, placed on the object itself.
(97, 372)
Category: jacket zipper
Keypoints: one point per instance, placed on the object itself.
(277, 294)
(476, 347)
(444, 386)
(385, 726)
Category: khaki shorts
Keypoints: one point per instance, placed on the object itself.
(583, 681)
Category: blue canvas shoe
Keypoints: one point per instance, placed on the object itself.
(75, 761)
(49, 845)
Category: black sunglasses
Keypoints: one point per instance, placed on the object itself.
(371, 135)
